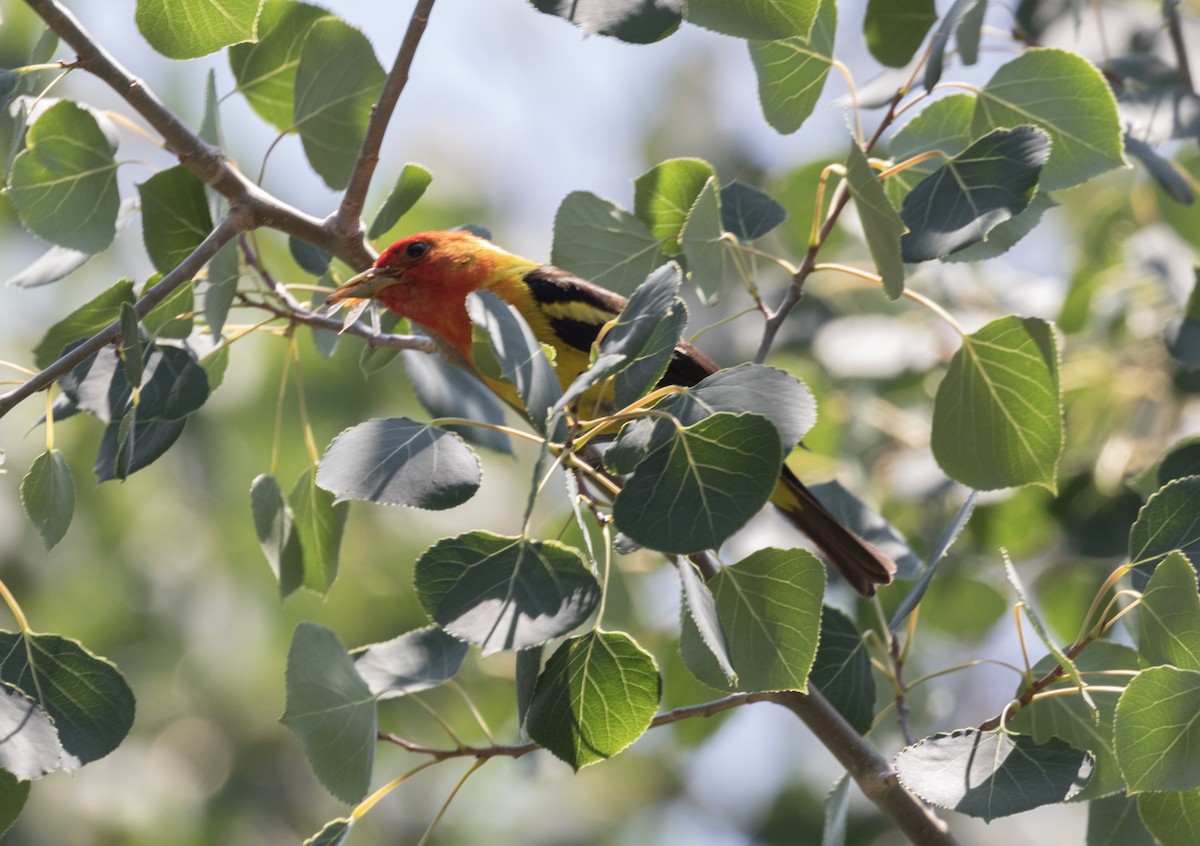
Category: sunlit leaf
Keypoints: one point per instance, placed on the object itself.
(318, 522)
(265, 71)
(1170, 520)
(175, 216)
(663, 196)
(791, 72)
(1156, 730)
(1064, 95)
(186, 29)
(338, 80)
(997, 416)
(894, 29)
(64, 184)
(596, 695)
(86, 696)
(409, 187)
(766, 19)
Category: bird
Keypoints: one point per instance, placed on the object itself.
(427, 278)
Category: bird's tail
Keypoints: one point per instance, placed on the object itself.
(859, 563)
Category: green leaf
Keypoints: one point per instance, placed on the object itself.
(173, 385)
(770, 608)
(991, 774)
(1173, 818)
(1114, 821)
(765, 19)
(130, 444)
(1169, 520)
(86, 696)
(991, 181)
(338, 80)
(1169, 616)
(703, 643)
(223, 275)
(265, 71)
(650, 304)
(64, 183)
(397, 461)
(48, 496)
(1006, 233)
(210, 121)
(518, 355)
(895, 29)
(842, 670)
(13, 794)
(1156, 731)
(699, 484)
(701, 241)
(505, 592)
(1071, 719)
(944, 125)
(415, 661)
(331, 710)
(58, 262)
(775, 394)
(962, 13)
(30, 748)
(333, 833)
(274, 525)
(596, 695)
(449, 391)
(647, 368)
(172, 318)
(600, 241)
(997, 415)
(663, 196)
(312, 260)
(175, 216)
(409, 187)
(1067, 97)
(748, 212)
(633, 21)
(187, 29)
(791, 72)
(1182, 459)
(881, 224)
(318, 523)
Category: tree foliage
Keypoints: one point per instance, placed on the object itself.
(1076, 413)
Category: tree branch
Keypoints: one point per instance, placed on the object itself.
(872, 772)
(201, 158)
(224, 232)
(796, 289)
(347, 221)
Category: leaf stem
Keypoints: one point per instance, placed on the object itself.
(13, 607)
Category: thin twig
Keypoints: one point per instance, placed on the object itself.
(1175, 28)
(347, 219)
(184, 272)
(203, 159)
(796, 289)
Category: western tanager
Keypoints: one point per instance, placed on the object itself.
(427, 277)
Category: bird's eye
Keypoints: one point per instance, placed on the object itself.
(416, 249)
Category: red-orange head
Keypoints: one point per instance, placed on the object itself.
(426, 277)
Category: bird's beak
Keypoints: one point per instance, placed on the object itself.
(364, 286)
